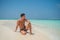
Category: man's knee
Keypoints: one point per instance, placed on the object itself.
(23, 32)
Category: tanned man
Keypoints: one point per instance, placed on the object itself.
(23, 24)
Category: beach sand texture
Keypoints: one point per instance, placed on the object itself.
(7, 28)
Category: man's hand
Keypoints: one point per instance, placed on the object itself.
(17, 26)
(30, 33)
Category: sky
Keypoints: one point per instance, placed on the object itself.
(34, 9)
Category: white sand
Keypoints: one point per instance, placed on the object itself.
(7, 28)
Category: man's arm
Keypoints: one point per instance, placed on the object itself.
(16, 26)
(29, 25)
(30, 28)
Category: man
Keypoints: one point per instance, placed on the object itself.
(23, 24)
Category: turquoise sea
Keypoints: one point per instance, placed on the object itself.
(51, 23)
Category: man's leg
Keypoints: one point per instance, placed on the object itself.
(28, 27)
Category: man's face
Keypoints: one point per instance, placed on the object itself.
(23, 17)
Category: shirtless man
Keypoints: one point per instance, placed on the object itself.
(23, 24)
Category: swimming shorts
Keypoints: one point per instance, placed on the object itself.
(23, 29)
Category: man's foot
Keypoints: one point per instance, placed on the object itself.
(23, 32)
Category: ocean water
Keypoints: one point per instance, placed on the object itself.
(51, 23)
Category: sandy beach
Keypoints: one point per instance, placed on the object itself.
(7, 28)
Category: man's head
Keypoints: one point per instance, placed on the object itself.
(23, 15)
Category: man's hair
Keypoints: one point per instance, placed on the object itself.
(22, 14)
